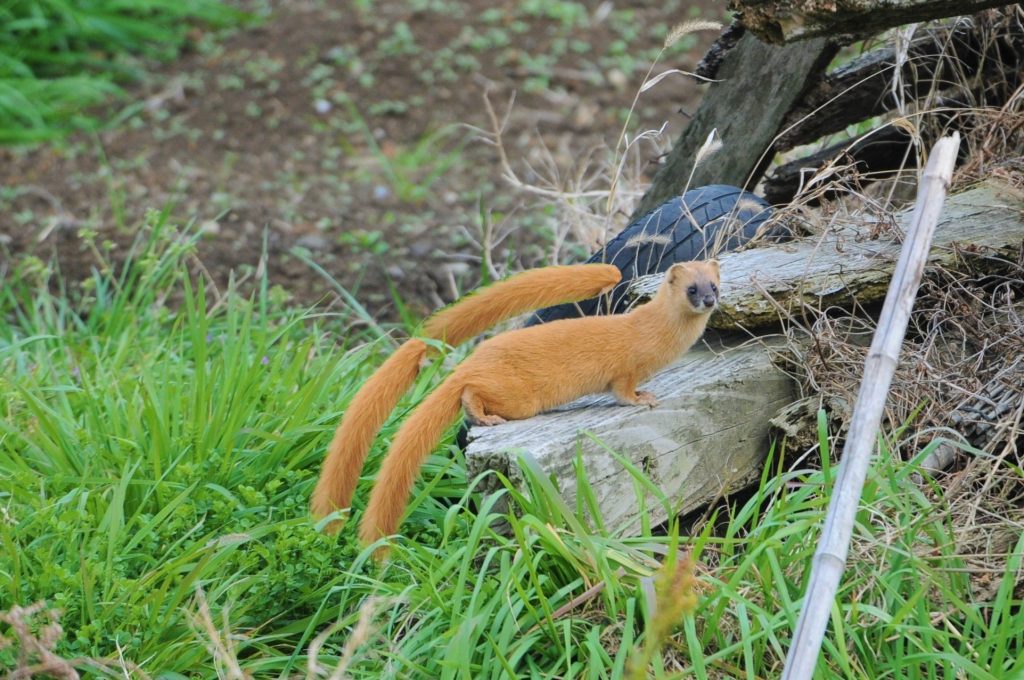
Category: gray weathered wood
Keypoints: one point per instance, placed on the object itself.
(785, 21)
(844, 265)
(759, 85)
(879, 369)
(707, 436)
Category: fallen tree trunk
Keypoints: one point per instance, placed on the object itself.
(710, 402)
(846, 265)
(711, 430)
(785, 21)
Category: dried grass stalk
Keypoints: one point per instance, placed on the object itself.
(830, 558)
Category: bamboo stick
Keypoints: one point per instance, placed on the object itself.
(830, 557)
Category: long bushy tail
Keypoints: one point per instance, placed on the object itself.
(464, 319)
(364, 417)
(524, 292)
(415, 440)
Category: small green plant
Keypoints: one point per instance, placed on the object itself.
(412, 171)
(361, 239)
(401, 42)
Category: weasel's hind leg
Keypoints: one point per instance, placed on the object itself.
(475, 410)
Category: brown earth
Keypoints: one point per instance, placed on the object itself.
(347, 132)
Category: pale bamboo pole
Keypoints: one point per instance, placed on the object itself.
(830, 557)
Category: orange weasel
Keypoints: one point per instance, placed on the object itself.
(520, 373)
(455, 324)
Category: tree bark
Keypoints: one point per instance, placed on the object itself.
(785, 21)
(759, 85)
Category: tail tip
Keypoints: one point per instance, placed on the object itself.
(334, 526)
(322, 510)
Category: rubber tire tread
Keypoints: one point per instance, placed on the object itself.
(680, 229)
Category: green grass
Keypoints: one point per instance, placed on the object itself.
(58, 58)
(156, 456)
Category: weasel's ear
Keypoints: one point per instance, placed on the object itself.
(675, 271)
(714, 263)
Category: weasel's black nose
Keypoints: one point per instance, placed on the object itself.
(710, 300)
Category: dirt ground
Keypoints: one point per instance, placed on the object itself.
(345, 131)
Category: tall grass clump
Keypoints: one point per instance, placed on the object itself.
(148, 451)
(59, 58)
(158, 444)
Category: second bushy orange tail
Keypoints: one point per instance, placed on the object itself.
(468, 317)
(413, 443)
(364, 417)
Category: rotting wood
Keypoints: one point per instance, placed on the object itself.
(785, 21)
(960, 53)
(842, 266)
(746, 124)
(707, 436)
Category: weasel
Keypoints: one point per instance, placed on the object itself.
(520, 373)
(464, 319)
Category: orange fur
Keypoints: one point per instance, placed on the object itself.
(520, 373)
(365, 415)
(462, 320)
(524, 292)
(413, 443)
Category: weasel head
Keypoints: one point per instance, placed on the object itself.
(694, 285)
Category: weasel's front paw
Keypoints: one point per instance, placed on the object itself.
(489, 420)
(646, 399)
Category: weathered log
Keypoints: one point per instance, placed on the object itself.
(846, 265)
(746, 124)
(711, 429)
(962, 53)
(706, 438)
(785, 21)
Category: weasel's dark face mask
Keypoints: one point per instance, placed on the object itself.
(702, 296)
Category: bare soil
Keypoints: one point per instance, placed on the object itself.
(346, 131)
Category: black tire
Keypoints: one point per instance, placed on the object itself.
(683, 228)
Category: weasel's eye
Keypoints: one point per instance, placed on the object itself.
(692, 290)
(714, 289)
